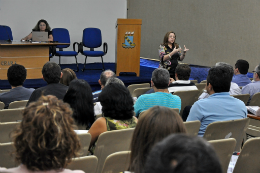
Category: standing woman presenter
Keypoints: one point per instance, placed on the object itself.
(170, 52)
(42, 26)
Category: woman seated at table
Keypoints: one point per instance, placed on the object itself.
(42, 26)
(45, 140)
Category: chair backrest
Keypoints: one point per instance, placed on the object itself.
(194, 81)
(11, 115)
(5, 130)
(18, 104)
(117, 162)
(248, 157)
(204, 81)
(4, 91)
(2, 105)
(224, 149)
(255, 100)
(174, 109)
(5, 33)
(62, 36)
(139, 91)
(7, 159)
(92, 37)
(132, 87)
(201, 87)
(253, 129)
(87, 164)
(227, 129)
(85, 139)
(192, 127)
(187, 98)
(243, 97)
(110, 142)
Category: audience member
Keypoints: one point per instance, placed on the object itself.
(117, 108)
(79, 97)
(219, 106)
(105, 75)
(240, 73)
(16, 76)
(179, 153)
(51, 73)
(45, 140)
(68, 76)
(234, 88)
(253, 87)
(182, 83)
(161, 97)
(153, 126)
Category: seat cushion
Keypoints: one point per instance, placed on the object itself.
(93, 53)
(66, 53)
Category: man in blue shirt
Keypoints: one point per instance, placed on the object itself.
(240, 71)
(161, 97)
(253, 87)
(219, 106)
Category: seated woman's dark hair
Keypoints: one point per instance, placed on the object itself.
(117, 102)
(45, 140)
(80, 98)
(37, 28)
(68, 76)
(180, 153)
(153, 126)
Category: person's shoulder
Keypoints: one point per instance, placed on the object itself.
(71, 171)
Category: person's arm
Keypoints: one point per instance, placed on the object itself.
(50, 38)
(195, 113)
(138, 106)
(184, 53)
(98, 127)
(28, 37)
(169, 55)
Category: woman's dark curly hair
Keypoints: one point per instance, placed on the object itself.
(37, 28)
(46, 140)
(117, 102)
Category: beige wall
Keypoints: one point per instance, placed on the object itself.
(213, 30)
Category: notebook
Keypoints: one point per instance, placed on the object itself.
(38, 36)
(252, 109)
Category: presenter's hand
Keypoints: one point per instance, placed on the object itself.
(185, 49)
(175, 50)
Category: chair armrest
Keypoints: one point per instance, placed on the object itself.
(105, 47)
(53, 50)
(80, 47)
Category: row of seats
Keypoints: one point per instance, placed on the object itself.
(15, 104)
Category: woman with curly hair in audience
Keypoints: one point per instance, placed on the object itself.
(153, 126)
(117, 107)
(45, 140)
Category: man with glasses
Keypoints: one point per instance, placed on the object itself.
(253, 87)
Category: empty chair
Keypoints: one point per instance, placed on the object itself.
(204, 81)
(92, 38)
(6, 129)
(88, 164)
(5, 33)
(248, 160)
(110, 142)
(243, 97)
(132, 87)
(194, 81)
(139, 91)
(188, 98)
(18, 104)
(2, 105)
(192, 127)
(62, 35)
(201, 87)
(255, 100)
(253, 129)
(224, 149)
(117, 162)
(7, 159)
(11, 115)
(227, 129)
(85, 139)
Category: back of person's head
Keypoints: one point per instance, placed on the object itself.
(45, 140)
(154, 125)
(16, 75)
(220, 79)
(257, 71)
(179, 153)
(228, 66)
(51, 72)
(114, 80)
(117, 102)
(80, 98)
(242, 66)
(183, 71)
(105, 75)
(68, 76)
(161, 78)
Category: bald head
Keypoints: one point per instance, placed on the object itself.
(105, 75)
(257, 73)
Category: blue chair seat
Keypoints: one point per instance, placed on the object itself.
(66, 53)
(93, 53)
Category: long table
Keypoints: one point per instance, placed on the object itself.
(31, 55)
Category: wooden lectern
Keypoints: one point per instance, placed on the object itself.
(128, 45)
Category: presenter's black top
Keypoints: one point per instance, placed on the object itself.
(171, 63)
(55, 89)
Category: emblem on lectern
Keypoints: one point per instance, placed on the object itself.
(129, 38)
